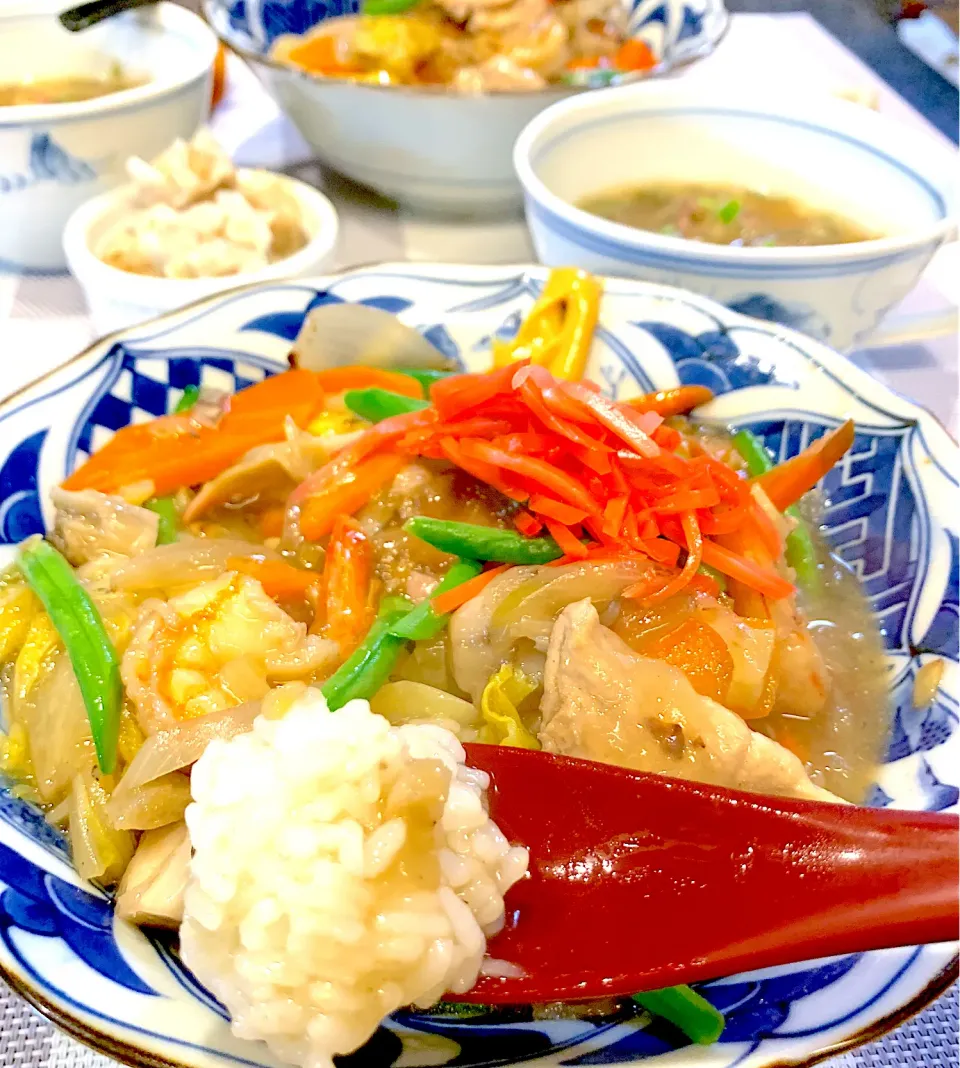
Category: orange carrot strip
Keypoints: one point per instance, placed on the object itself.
(318, 55)
(176, 451)
(766, 530)
(562, 513)
(527, 524)
(669, 402)
(271, 522)
(381, 436)
(466, 591)
(347, 574)
(349, 494)
(280, 581)
(691, 531)
(786, 483)
(530, 469)
(566, 539)
(763, 580)
(340, 379)
(634, 55)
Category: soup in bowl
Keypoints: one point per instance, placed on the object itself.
(862, 201)
(74, 106)
(425, 106)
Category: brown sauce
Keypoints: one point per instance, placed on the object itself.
(722, 215)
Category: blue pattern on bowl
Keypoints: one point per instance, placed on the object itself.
(886, 516)
(674, 29)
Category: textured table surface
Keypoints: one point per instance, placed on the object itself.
(46, 317)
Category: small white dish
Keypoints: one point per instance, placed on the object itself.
(828, 153)
(53, 157)
(118, 299)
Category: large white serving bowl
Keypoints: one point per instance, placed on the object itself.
(434, 150)
(53, 157)
(831, 154)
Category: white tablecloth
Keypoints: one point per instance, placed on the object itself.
(43, 321)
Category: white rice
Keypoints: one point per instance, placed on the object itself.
(343, 868)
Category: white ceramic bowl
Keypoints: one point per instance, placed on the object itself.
(434, 150)
(828, 153)
(118, 299)
(53, 157)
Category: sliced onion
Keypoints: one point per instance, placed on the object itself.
(171, 750)
(415, 702)
(155, 804)
(184, 562)
(533, 608)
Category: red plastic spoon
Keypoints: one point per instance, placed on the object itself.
(639, 882)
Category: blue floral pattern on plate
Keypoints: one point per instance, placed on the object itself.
(888, 515)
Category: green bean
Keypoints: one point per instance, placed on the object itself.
(95, 661)
(169, 525)
(799, 548)
(369, 667)
(378, 404)
(191, 395)
(423, 623)
(386, 7)
(718, 576)
(686, 1010)
(425, 376)
(483, 543)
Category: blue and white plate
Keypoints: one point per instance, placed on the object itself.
(892, 515)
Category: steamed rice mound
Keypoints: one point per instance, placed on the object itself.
(343, 868)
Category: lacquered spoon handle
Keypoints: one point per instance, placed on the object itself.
(84, 16)
(639, 881)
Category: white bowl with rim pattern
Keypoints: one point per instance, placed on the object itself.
(437, 151)
(828, 153)
(53, 157)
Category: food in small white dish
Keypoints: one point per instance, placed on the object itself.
(60, 146)
(194, 215)
(68, 89)
(190, 225)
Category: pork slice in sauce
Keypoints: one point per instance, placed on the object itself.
(604, 702)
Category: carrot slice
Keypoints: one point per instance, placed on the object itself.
(530, 469)
(271, 521)
(527, 524)
(384, 435)
(176, 451)
(347, 575)
(280, 581)
(340, 379)
(669, 402)
(634, 55)
(347, 495)
(786, 483)
(566, 539)
(763, 580)
(466, 591)
(556, 510)
(691, 565)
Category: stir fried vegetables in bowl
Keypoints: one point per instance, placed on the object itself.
(240, 666)
(424, 102)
